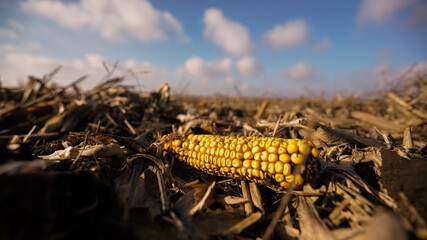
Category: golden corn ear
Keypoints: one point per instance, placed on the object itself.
(265, 160)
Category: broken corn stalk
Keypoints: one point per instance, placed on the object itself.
(265, 160)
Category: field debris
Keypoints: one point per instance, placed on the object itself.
(91, 164)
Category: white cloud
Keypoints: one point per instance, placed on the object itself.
(198, 67)
(323, 45)
(7, 34)
(248, 67)
(290, 34)
(7, 47)
(381, 78)
(232, 86)
(378, 11)
(30, 46)
(230, 81)
(418, 15)
(298, 72)
(16, 66)
(15, 24)
(231, 36)
(384, 74)
(33, 45)
(112, 19)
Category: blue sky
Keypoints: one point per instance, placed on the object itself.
(262, 48)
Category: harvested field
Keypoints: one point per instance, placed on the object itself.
(91, 165)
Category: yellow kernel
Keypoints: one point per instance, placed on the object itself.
(166, 146)
(256, 164)
(184, 144)
(299, 180)
(297, 158)
(284, 184)
(257, 156)
(245, 147)
(289, 178)
(191, 146)
(311, 144)
(255, 143)
(255, 173)
(271, 168)
(279, 177)
(176, 143)
(281, 150)
(228, 163)
(212, 144)
(232, 154)
(181, 152)
(207, 144)
(226, 145)
(256, 149)
(248, 155)
(292, 148)
(239, 148)
(237, 163)
(193, 162)
(220, 145)
(284, 158)
(264, 166)
(197, 148)
(304, 149)
(223, 162)
(278, 167)
(267, 144)
(272, 149)
(202, 149)
(315, 152)
(247, 163)
(261, 144)
(221, 152)
(232, 146)
(275, 143)
(284, 144)
(227, 153)
(261, 175)
(239, 155)
(212, 151)
(264, 156)
(287, 169)
(225, 169)
(244, 171)
(272, 157)
(190, 136)
(233, 171)
(249, 172)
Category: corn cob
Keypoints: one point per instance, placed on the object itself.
(265, 160)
